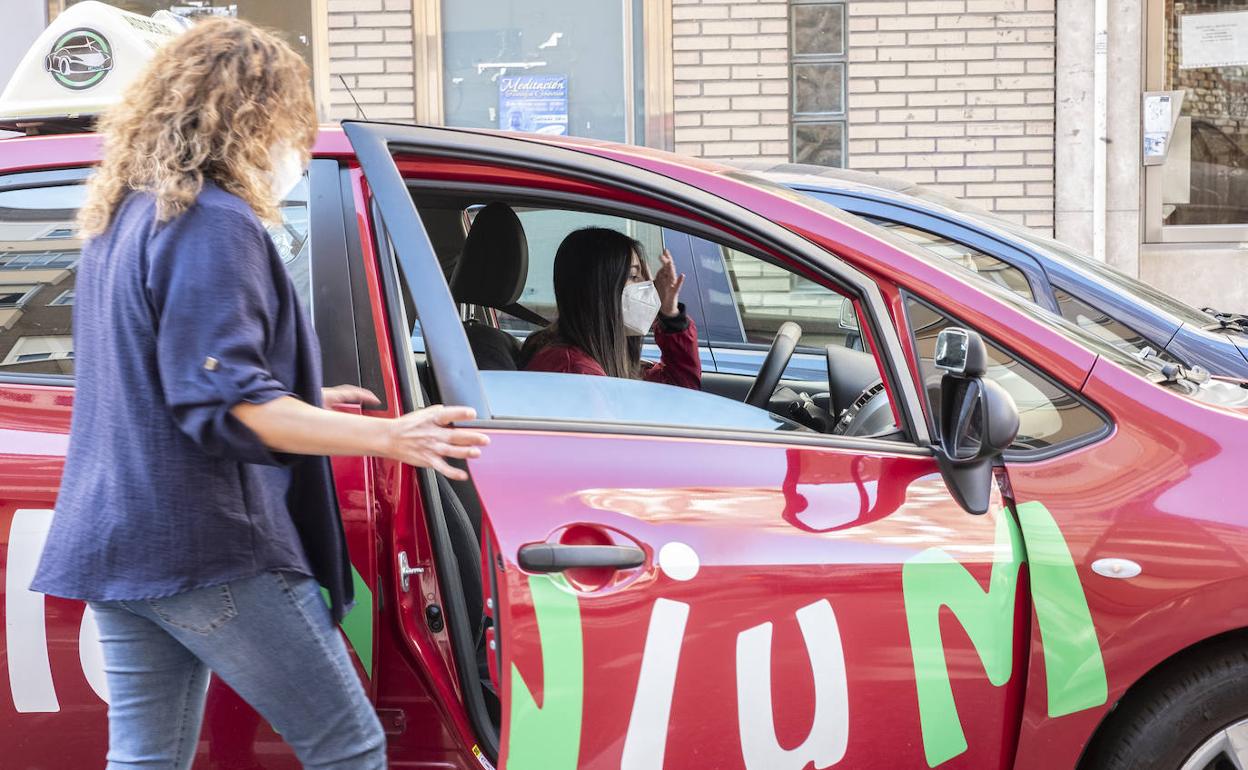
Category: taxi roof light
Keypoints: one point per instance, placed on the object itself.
(80, 65)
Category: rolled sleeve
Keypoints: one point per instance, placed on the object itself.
(212, 288)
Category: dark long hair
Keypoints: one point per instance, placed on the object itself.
(591, 268)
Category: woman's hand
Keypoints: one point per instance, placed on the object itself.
(425, 438)
(347, 394)
(668, 284)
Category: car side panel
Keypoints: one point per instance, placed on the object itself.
(776, 531)
(1168, 460)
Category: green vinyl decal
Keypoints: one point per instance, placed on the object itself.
(1074, 669)
(548, 737)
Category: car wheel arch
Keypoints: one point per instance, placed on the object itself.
(1148, 684)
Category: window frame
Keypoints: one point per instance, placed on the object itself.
(377, 145)
(947, 227)
(799, 119)
(1155, 231)
(1010, 455)
(21, 301)
(670, 223)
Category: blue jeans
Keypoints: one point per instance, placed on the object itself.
(269, 637)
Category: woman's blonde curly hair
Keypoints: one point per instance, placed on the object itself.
(208, 106)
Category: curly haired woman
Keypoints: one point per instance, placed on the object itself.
(197, 515)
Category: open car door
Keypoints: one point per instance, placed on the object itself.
(692, 596)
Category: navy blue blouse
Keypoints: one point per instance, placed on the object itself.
(164, 490)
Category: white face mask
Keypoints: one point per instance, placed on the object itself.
(640, 304)
(287, 165)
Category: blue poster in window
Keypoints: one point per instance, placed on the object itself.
(537, 103)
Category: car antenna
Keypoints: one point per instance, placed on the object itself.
(358, 108)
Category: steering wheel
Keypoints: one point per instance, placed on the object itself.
(774, 364)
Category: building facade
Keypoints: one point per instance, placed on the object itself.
(1035, 109)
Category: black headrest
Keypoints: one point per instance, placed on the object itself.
(495, 263)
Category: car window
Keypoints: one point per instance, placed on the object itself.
(37, 269)
(1048, 414)
(38, 265)
(587, 398)
(765, 296)
(545, 229)
(1107, 328)
(985, 265)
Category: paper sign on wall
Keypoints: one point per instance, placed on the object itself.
(533, 103)
(1213, 40)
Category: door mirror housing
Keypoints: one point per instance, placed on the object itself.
(978, 418)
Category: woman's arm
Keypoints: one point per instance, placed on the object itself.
(424, 438)
(677, 338)
(674, 332)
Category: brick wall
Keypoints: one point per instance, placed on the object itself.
(370, 46)
(959, 95)
(731, 68)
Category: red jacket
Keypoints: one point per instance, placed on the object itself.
(679, 364)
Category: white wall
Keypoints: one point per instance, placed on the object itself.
(23, 21)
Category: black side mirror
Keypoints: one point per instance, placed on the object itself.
(978, 419)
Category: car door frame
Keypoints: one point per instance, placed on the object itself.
(455, 368)
(401, 236)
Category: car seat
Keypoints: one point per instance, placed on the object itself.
(492, 272)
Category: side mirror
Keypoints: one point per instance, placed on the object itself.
(978, 419)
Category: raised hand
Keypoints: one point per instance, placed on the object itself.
(668, 284)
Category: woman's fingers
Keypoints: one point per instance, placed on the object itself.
(680, 281)
(445, 415)
(458, 452)
(461, 437)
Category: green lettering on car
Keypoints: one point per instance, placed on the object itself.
(1074, 669)
(548, 737)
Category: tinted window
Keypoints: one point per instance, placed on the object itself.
(985, 265)
(39, 262)
(1102, 325)
(1048, 414)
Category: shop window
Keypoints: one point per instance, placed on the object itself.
(818, 35)
(1200, 191)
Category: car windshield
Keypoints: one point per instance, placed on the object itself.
(1060, 252)
(1149, 368)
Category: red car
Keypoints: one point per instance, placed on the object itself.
(890, 566)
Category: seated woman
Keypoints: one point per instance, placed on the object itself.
(607, 302)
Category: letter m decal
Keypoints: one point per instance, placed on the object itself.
(1074, 669)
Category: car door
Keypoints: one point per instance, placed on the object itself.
(677, 585)
(56, 714)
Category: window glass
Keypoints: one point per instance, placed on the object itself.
(1048, 415)
(545, 229)
(544, 66)
(1206, 169)
(767, 295)
(39, 261)
(985, 265)
(1102, 325)
(37, 268)
(817, 31)
(586, 398)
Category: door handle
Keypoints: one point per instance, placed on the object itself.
(557, 557)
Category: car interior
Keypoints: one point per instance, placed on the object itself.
(496, 278)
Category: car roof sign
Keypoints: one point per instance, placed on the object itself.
(80, 65)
